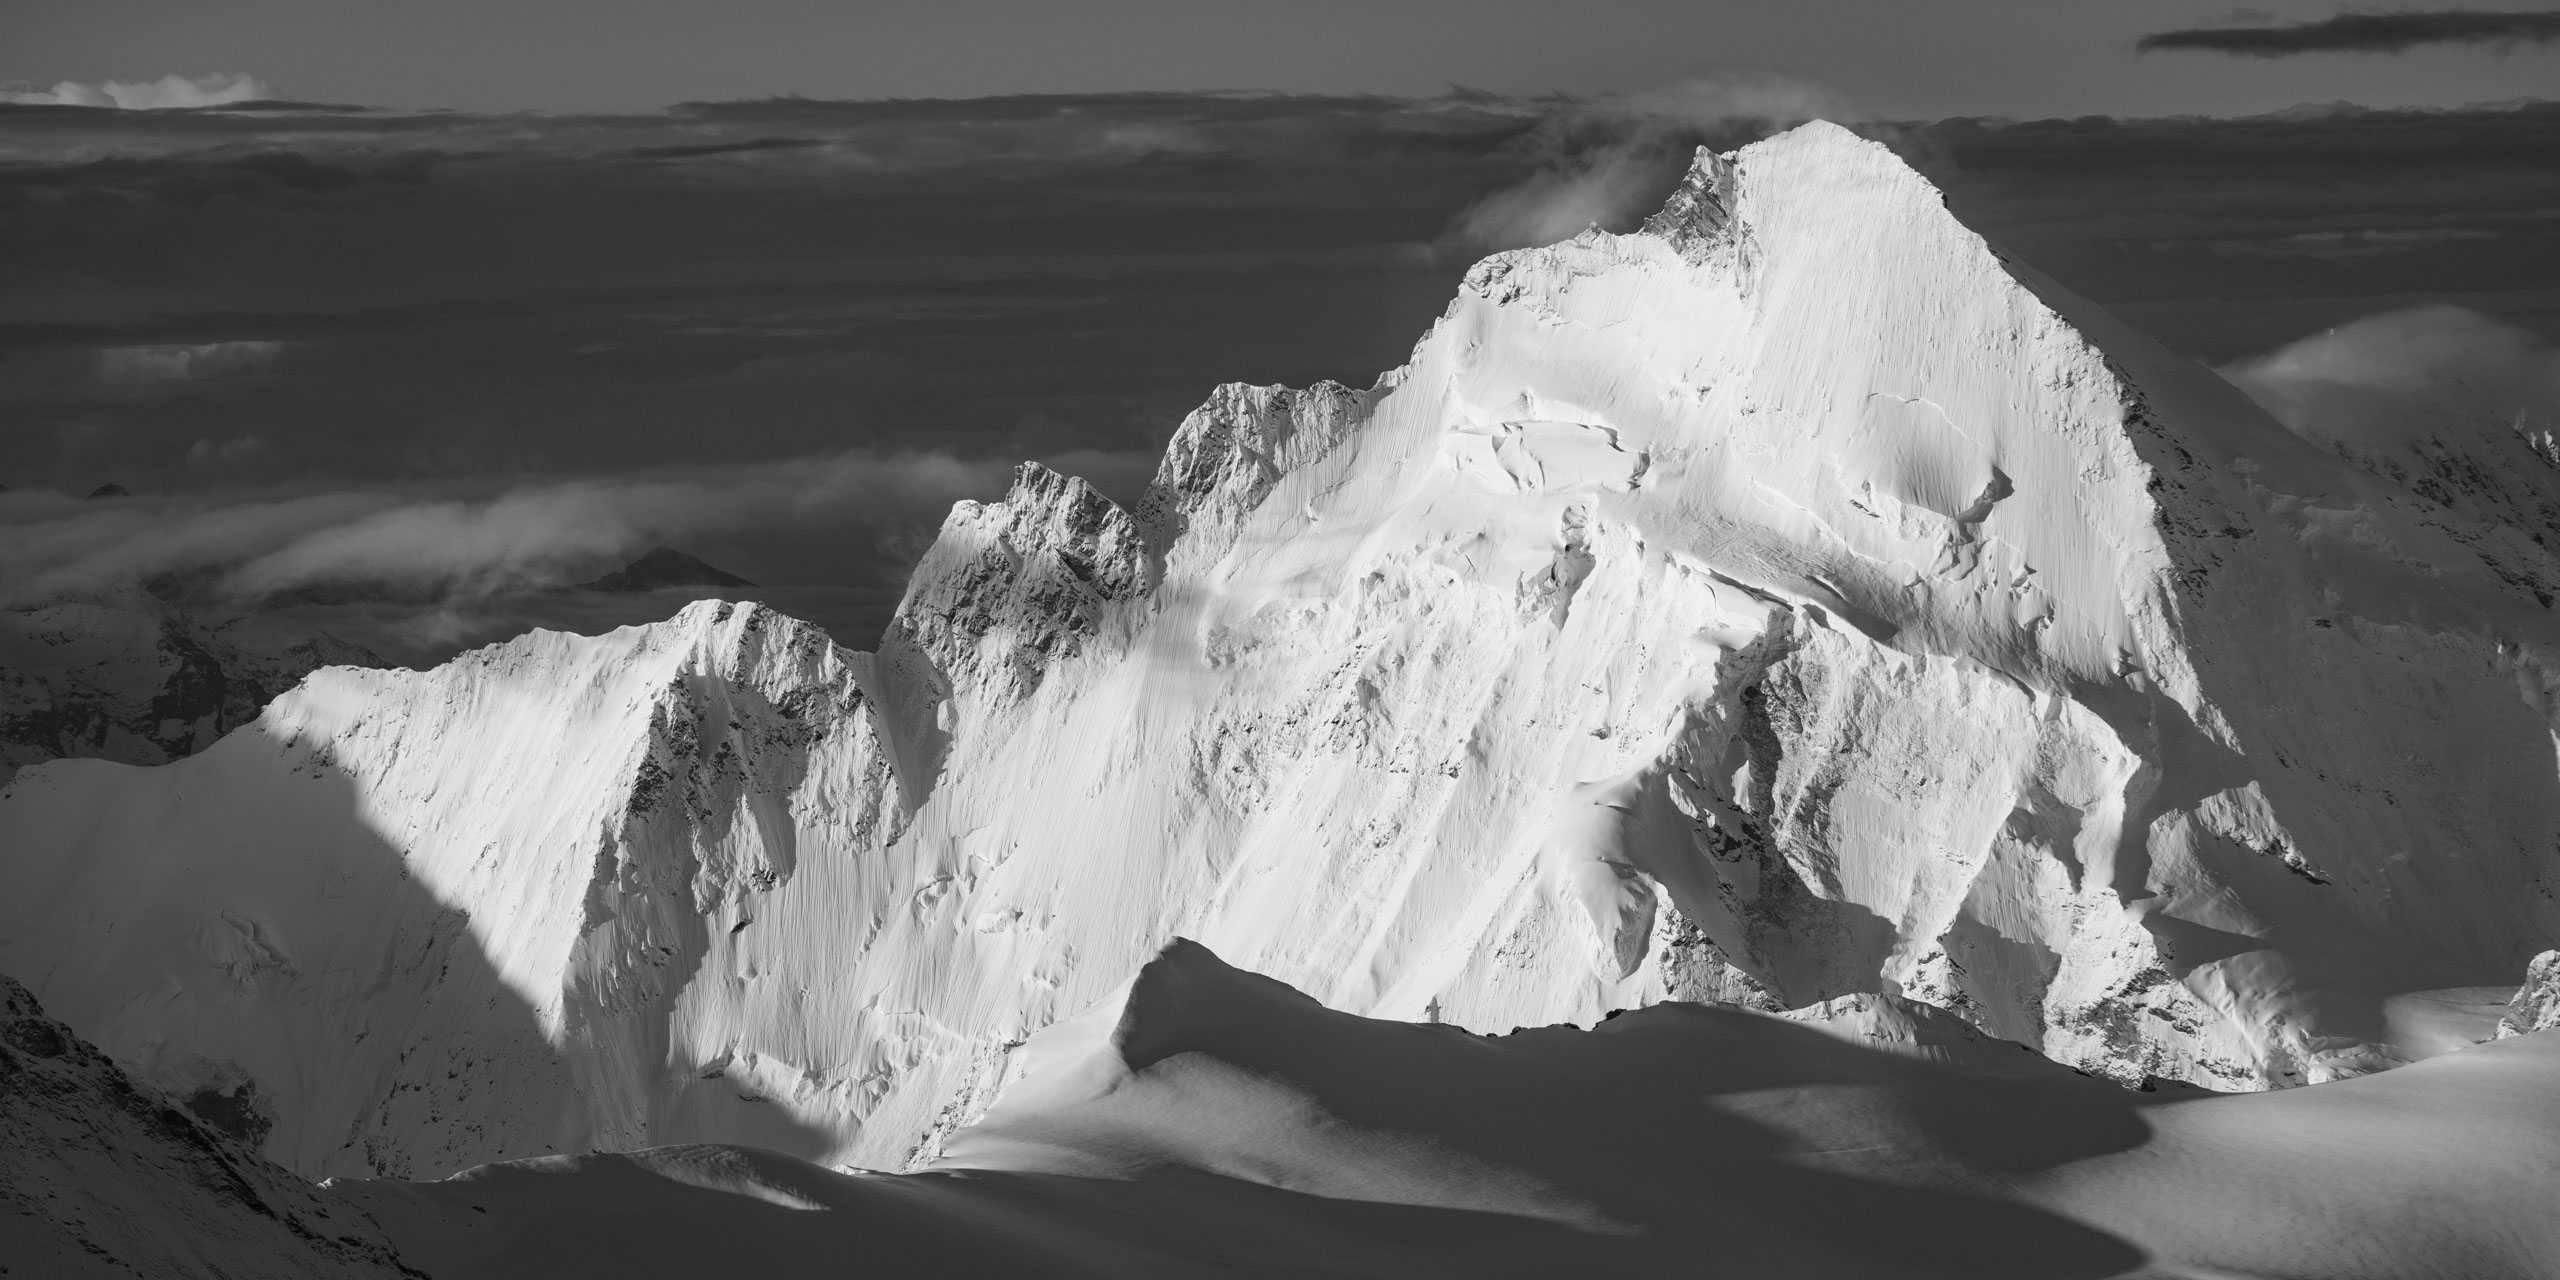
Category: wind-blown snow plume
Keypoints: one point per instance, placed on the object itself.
(1612, 157)
(171, 92)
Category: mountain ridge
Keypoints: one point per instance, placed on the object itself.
(1787, 602)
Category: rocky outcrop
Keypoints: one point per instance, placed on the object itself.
(2536, 1006)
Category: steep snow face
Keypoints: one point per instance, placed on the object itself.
(1788, 601)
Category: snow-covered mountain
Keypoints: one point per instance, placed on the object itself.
(659, 568)
(1790, 600)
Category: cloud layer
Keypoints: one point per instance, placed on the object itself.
(328, 346)
(2364, 33)
(239, 550)
(2423, 373)
(172, 92)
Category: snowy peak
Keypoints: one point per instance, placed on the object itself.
(1698, 218)
(1008, 591)
(450, 877)
(1229, 453)
(1792, 603)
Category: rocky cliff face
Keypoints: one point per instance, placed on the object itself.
(2536, 1005)
(1790, 601)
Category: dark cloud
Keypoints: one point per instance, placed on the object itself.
(2363, 33)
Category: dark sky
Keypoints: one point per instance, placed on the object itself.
(1918, 59)
(435, 364)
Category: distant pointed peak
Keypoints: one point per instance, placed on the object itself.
(662, 567)
(111, 490)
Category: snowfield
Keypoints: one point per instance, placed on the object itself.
(1215, 1122)
(1791, 601)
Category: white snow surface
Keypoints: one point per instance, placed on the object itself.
(1788, 601)
(1223, 1124)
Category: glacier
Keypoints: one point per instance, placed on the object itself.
(1794, 599)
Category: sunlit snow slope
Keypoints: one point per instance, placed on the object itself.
(1790, 599)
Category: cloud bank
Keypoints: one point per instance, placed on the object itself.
(2424, 373)
(241, 550)
(2363, 33)
(172, 92)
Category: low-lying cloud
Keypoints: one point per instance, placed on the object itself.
(172, 92)
(2401, 377)
(2363, 33)
(240, 551)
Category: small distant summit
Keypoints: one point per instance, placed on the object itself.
(660, 567)
(111, 490)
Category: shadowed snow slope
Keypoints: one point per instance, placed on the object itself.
(1789, 601)
(100, 1178)
(1228, 1125)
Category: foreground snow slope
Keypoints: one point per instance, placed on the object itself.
(1216, 1122)
(100, 1178)
(1223, 1124)
(1792, 599)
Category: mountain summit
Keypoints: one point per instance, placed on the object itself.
(1791, 600)
(665, 567)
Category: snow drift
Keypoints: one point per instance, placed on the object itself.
(1216, 1122)
(1789, 601)
(1221, 1123)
